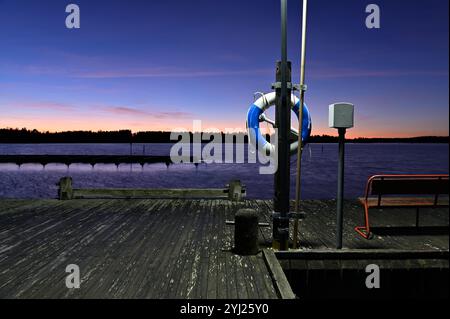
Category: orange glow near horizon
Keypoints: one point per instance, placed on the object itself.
(59, 124)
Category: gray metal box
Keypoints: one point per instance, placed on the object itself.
(340, 115)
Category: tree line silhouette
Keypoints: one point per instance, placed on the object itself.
(9, 135)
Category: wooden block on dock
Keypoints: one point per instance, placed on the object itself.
(234, 191)
(161, 193)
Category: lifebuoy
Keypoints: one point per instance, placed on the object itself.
(254, 117)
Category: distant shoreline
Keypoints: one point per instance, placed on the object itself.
(24, 136)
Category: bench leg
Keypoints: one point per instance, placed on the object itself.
(364, 231)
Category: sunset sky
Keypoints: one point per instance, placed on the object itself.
(159, 65)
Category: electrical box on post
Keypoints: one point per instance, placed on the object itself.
(340, 115)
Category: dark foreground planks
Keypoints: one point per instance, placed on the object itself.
(167, 248)
(126, 249)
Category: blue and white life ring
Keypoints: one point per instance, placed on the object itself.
(254, 117)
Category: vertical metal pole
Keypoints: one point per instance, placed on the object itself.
(283, 123)
(340, 189)
(300, 122)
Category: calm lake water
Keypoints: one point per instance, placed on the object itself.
(319, 169)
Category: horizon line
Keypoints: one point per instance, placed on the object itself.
(212, 132)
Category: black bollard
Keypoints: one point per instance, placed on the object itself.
(246, 232)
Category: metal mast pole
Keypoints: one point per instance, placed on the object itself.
(283, 123)
(340, 189)
(300, 121)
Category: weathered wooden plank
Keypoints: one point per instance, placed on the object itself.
(256, 279)
(32, 247)
(214, 252)
(38, 262)
(222, 252)
(279, 278)
(243, 281)
(165, 243)
(188, 254)
(269, 291)
(97, 255)
(185, 193)
(134, 249)
(362, 254)
(180, 253)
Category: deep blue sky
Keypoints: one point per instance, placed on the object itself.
(147, 65)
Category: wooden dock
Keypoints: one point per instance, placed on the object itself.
(92, 159)
(161, 248)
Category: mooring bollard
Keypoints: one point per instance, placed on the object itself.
(246, 232)
(65, 190)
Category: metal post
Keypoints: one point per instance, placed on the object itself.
(283, 123)
(340, 189)
(300, 122)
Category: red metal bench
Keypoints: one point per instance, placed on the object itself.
(410, 191)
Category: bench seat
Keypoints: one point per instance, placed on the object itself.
(407, 191)
(404, 202)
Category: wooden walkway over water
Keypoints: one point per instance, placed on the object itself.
(93, 159)
(152, 248)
